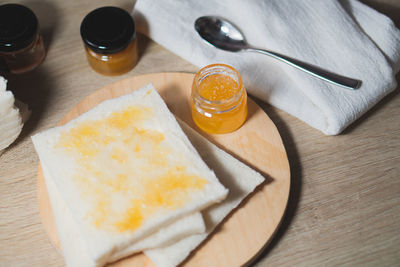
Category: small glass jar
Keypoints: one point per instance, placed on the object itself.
(109, 36)
(21, 45)
(218, 99)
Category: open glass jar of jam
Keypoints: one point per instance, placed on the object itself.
(21, 45)
(109, 36)
(218, 99)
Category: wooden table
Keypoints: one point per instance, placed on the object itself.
(344, 207)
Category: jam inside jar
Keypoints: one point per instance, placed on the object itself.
(218, 100)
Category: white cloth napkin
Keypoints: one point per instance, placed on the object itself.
(345, 37)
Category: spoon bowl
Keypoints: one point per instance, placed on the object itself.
(220, 33)
(224, 35)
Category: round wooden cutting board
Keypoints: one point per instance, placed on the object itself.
(250, 227)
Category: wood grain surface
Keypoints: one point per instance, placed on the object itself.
(344, 204)
(257, 142)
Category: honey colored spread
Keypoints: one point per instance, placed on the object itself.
(219, 101)
(109, 36)
(218, 87)
(114, 64)
(126, 171)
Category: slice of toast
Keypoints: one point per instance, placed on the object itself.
(125, 169)
(240, 179)
(168, 235)
(73, 246)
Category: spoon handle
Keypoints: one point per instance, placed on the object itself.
(325, 75)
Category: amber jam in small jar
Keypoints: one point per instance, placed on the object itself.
(109, 36)
(218, 100)
(21, 45)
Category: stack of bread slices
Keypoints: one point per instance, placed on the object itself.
(127, 177)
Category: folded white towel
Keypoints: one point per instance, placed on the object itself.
(345, 37)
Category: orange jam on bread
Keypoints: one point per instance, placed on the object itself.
(219, 100)
(127, 172)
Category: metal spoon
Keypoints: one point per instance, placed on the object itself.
(224, 35)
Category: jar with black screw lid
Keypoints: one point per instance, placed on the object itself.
(109, 36)
(21, 44)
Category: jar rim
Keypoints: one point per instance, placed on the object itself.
(19, 27)
(227, 104)
(108, 30)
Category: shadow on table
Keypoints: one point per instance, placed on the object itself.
(36, 89)
(48, 16)
(295, 179)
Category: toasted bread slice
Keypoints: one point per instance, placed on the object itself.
(125, 169)
(240, 179)
(74, 249)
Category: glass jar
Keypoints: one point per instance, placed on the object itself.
(218, 99)
(21, 45)
(109, 36)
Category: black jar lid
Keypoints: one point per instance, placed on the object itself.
(108, 30)
(18, 27)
